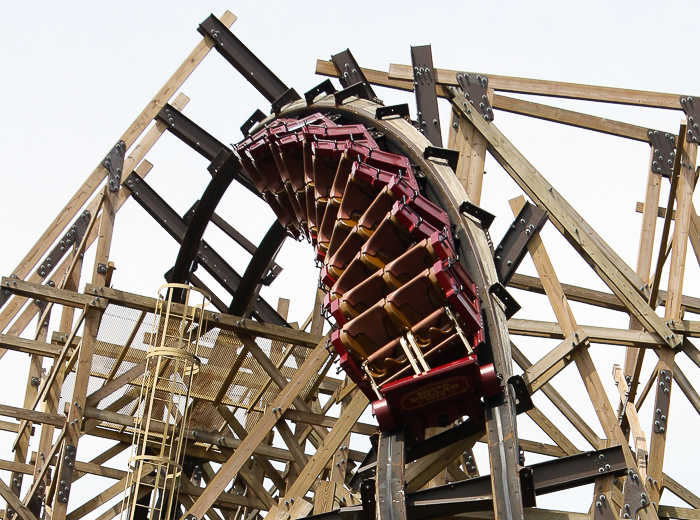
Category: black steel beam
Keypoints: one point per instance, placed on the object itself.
(245, 62)
(476, 495)
(424, 81)
(351, 73)
(212, 262)
(200, 140)
(511, 251)
(190, 132)
(258, 267)
(238, 238)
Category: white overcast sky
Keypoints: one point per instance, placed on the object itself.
(77, 73)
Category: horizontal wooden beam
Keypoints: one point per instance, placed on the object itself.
(32, 415)
(328, 422)
(27, 346)
(570, 118)
(558, 89)
(591, 296)
(215, 319)
(574, 293)
(216, 439)
(604, 335)
(51, 294)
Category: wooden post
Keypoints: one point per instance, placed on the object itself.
(684, 197)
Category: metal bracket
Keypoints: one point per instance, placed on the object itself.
(257, 116)
(72, 238)
(41, 304)
(190, 133)
(663, 401)
(664, 147)
(691, 107)
(66, 476)
(478, 213)
(102, 268)
(245, 62)
(369, 499)
(523, 401)
(527, 486)
(326, 87)
(289, 96)
(603, 509)
(114, 162)
(361, 90)
(5, 293)
(635, 498)
(393, 111)
(511, 251)
(451, 156)
(500, 292)
(351, 73)
(475, 87)
(424, 81)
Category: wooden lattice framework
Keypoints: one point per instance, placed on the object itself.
(247, 481)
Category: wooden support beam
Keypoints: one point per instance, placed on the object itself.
(242, 433)
(14, 503)
(115, 384)
(571, 118)
(553, 432)
(554, 361)
(472, 154)
(686, 387)
(325, 421)
(602, 335)
(241, 456)
(640, 441)
(592, 297)
(27, 346)
(686, 185)
(606, 263)
(681, 492)
(309, 474)
(52, 294)
(557, 400)
(32, 415)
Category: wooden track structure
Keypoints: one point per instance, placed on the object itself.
(263, 378)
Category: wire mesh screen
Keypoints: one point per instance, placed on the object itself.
(228, 374)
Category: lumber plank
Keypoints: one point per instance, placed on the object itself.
(570, 118)
(32, 415)
(602, 335)
(27, 346)
(51, 294)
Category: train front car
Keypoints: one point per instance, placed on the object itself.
(408, 326)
